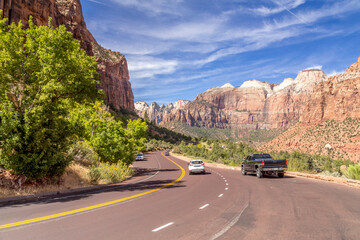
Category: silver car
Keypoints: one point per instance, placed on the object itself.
(196, 166)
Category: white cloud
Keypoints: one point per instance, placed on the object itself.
(281, 5)
(147, 67)
(314, 67)
(152, 7)
(98, 2)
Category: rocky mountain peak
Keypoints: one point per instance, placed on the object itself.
(141, 106)
(287, 82)
(180, 104)
(354, 68)
(306, 79)
(154, 106)
(227, 85)
(258, 84)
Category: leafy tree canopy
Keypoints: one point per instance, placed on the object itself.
(43, 73)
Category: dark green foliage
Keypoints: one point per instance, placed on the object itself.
(166, 135)
(112, 140)
(43, 73)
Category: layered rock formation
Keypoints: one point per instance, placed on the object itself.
(253, 105)
(156, 113)
(112, 66)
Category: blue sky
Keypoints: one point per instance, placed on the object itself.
(177, 49)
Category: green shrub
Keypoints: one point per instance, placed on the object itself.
(353, 172)
(110, 172)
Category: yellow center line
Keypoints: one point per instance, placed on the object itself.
(97, 205)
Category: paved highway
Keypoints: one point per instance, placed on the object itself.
(221, 204)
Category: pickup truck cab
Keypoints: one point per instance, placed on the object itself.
(263, 164)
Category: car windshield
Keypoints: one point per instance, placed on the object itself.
(196, 162)
(139, 155)
(257, 156)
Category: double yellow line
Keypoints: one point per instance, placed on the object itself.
(33, 220)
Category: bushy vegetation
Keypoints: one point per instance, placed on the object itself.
(109, 172)
(353, 172)
(230, 153)
(304, 162)
(163, 134)
(51, 109)
(226, 152)
(43, 73)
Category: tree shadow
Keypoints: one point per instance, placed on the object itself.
(86, 193)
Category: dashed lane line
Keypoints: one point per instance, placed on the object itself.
(206, 205)
(162, 227)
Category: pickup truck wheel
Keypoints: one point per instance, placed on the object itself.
(280, 175)
(259, 174)
(243, 171)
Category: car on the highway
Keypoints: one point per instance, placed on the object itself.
(196, 166)
(167, 153)
(263, 164)
(139, 157)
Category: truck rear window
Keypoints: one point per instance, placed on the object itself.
(259, 156)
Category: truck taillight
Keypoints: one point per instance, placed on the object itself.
(263, 163)
(285, 161)
(190, 164)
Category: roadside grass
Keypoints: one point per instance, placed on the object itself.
(352, 172)
(110, 173)
(75, 176)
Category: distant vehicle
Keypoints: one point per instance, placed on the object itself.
(167, 153)
(263, 164)
(139, 157)
(196, 166)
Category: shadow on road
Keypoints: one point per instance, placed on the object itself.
(129, 187)
(269, 176)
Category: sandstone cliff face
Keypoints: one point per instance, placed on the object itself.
(112, 66)
(253, 105)
(156, 113)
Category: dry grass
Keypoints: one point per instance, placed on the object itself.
(75, 176)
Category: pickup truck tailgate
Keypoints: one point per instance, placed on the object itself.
(274, 163)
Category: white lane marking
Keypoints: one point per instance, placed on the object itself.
(221, 195)
(226, 188)
(228, 226)
(162, 227)
(227, 184)
(225, 180)
(204, 206)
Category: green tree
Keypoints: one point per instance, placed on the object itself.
(112, 140)
(43, 73)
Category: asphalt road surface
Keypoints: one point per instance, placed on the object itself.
(221, 204)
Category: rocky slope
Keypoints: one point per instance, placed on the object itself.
(112, 66)
(330, 119)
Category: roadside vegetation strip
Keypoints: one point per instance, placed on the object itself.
(33, 220)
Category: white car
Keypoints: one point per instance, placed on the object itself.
(139, 157)
(196, 166)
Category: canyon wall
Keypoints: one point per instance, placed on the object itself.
(112, 66)
(309, 99)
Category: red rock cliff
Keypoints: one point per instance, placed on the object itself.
(112, 66)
